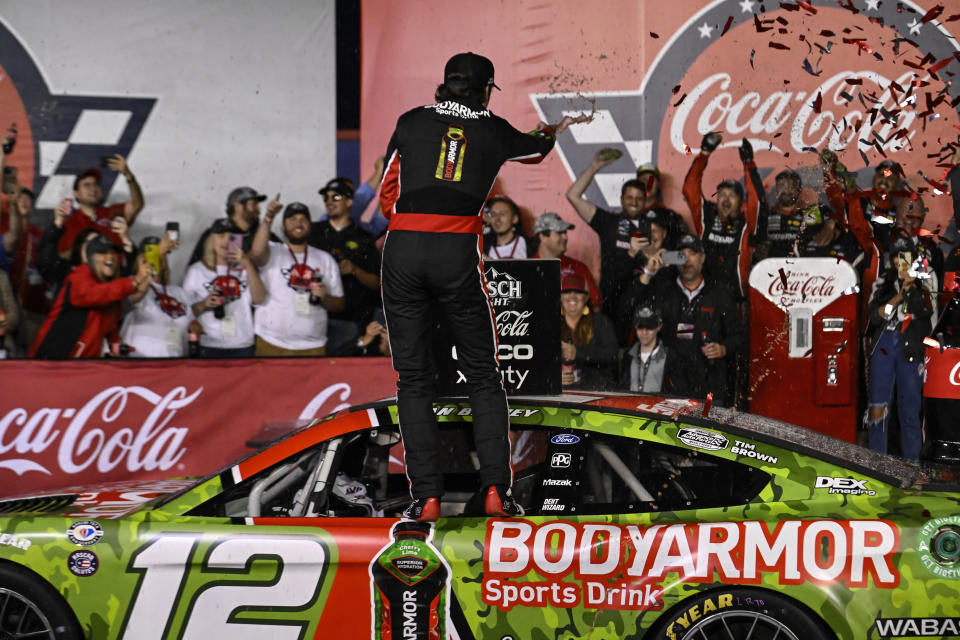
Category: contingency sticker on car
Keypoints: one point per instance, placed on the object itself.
(83, 563)
(8, 539)
(85, 533)
(565, 438)
(702, 439)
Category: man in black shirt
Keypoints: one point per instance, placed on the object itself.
(356, 252)
(441, 161)
(243, 209)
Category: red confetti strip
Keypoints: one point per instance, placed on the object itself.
(789, 7)
(777, 45)
(759, 27)
(682, 98)
(818, 102)
(654, 35)
(933, 13)
(706, 404)
(806, 5)
(940, 65)
(726, 26)
(854, 80)
(783, 277)
(849, 6)
(906, 322)
(953, 18)
(827, 33)
(676, 89)
(782, 20)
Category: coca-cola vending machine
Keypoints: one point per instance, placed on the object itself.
(804, 343)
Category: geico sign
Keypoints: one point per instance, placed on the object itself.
(515, 352)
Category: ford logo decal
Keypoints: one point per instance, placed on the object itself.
(565, 438)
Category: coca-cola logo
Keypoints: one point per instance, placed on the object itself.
(955, 375)
(803, 285)
(88, 438)
(514, 324)
(788, 78)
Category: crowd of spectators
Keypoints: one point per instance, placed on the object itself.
(669, 315)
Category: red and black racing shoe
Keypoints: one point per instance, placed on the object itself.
(423, 510)
(500, 502)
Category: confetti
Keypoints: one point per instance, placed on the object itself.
(783, 278)
(706, 404)
(759, 27)
(807, 6)
(778, 45)
(789, 7)
(726, 27)
(682, 98)
(827, 33)
(753, 52)
(854, 80)
(654, 35)
(676, 89)
(809, 68)
(818, 102)
(933, 13)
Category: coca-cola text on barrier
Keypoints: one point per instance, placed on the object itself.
(85, 422)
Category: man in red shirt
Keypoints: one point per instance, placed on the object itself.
(551, 230)
(88, 308)
(88, 209)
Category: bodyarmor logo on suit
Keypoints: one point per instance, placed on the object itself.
(48, 124)
(705, 78)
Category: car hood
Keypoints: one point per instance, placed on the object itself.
(103, 501)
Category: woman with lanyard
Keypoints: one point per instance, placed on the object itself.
(504, 242)
(588, 344)
(303, 284)
(222, 287)
(158, 319)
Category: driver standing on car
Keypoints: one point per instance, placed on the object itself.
(441, 162)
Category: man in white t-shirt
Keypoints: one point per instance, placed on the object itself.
(303, 284)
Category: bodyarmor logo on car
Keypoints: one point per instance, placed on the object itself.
(590, 555)
(61, 135)
(705, 78)
(702, 439)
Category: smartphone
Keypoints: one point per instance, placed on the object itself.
(105, 161)
(235, 242)
(673, 257)
(637, 233)
(151, 253)
(173, 231)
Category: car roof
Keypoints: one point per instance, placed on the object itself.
(886, 468)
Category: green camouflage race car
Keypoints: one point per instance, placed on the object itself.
(644, 519)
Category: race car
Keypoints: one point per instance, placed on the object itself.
(644, 518)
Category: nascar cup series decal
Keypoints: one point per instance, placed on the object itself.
(85, 533)
(10, 540)
(702, 439)
(575, 564)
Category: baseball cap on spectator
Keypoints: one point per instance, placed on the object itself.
(550, 221)
(242, 194)
(573, 282)
(890, 165)
(223, 225)
(99, 244)
(647, 317)
(86, 173)
(648, 167)
(690, 241)
(469, 71)
(341, 186)
(296, 208)
(654, 216)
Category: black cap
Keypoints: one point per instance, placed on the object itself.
(468, 71)
(338, 185)
(647, 317)
(690, 241)
(223, 225)
(99, 244)
(296, 208)
(242, 194)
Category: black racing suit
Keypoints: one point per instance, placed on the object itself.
(441, 164)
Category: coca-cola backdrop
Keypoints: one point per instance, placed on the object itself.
(67, 424)
(869, 79)
(525, 296)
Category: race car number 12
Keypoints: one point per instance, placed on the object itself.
(210, 612)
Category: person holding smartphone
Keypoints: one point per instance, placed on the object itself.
(303, 285)
(222, 289)
(900, 317)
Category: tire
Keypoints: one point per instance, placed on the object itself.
(32, 608)
(738, 614)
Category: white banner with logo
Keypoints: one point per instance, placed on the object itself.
(201, 95)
